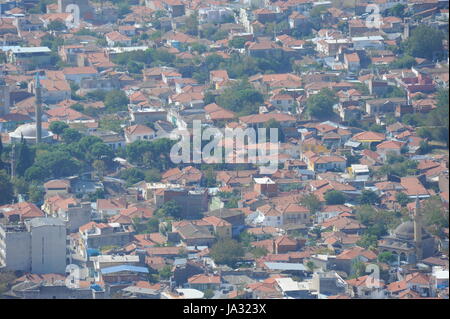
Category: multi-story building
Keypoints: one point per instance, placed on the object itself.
(37, 246)
(4, 98)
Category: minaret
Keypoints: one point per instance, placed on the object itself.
(38, 109)
(418, 230)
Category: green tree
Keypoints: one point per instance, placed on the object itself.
(272, 123)
(70, 135)
(369, 197)
(36, 193)
(334, 197)
(425, 42)
(439, 118)
(386, 257)
(20, 185)
(199, 48)
(311, 202)
(208, 294)
(368, 241)
(320, 105)
(58, 127)
(165, 273)
(191, 24)
(237, 42)
(116, 100)
(53, 164)
(358, 269)
(311, 266)
(397, 11)
(259, 252)
(25, 157)
(227, 251)
(402, 199)
(132, 175)
(6, 188)
(100, 168)
(123, 9)
(404, 62)
(152, 175)
(435, 216)
(170, 208)
(241, 97)
(210, 178)
(56, 25)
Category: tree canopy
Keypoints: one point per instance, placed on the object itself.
(227, 252)
(320, 105)
(425, 42)
(241, 97)
(334, 197)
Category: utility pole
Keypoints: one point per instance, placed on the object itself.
(13, 161)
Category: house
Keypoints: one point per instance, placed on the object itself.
(417, 282)
(66, 18)
(218, 78)
(368, 138)
(138, 133)
(294, 214)
(77, 74)
(122, 274)
(96, 235)
(57, 186)
(194, 233)
(72, 211)
(367, 287)
(380, 106)
(323, 163)
(28, 57)
(20, 212)
(188, 176)
(343, 224)
(352, 62)
(233, 216)
(54, 91)
(204, 282)
(414, 188)
(265, 186)
(111, 206)
(215, 15)
(297, 20)
(346, 259)
(267, 215)
(389, 148)
(264, 15)
(285, 244)
(283, 102)
(116, 38)
(110, 138)
(222, 228)
(216, 113)
(264, 49)
(258, 120)
(331, 211)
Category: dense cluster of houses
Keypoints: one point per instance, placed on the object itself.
(295, 250)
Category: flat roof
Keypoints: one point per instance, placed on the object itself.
(16, 49)
(285, 266)
(110, 270)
